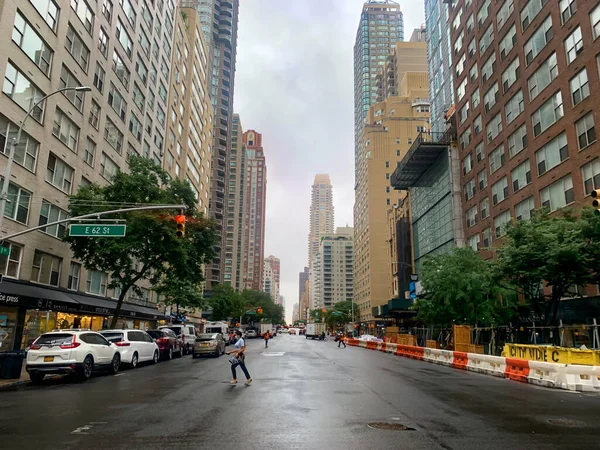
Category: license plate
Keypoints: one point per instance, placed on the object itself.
(48, 358)
(204, 345)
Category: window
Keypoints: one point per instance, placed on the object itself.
(113, 136)
(508, 42)
(521, 175)
(85, 14)
(162, 92)
(558, 194)
(488, 68)
(107, 8)
(487, 238)
(74, 275)
(548, 114)
(458, 43)
(479, 151)
(471, 48)
(486, 39)
(538, 41)
(478, 125)
(146, 15)
(499, 191)
(567, 9)
(590, 174)
(457, 20)
(103, 42)
(121, 69)
(474, 242)
(144, 42)
(475, 98)
(51, 213)
(500, 222)
(462, 88)
(10, 265)
(483, 13)
(470, 23)
(99, 78)
(49, 10)
(467, 163)
(108, 168)
(59, 174)
(465, 138)
(45, 268)
(471, 216)
(94, 118)
(531, 10)
(17, 205)
(77, 48)
(574, 45)
(490, 97)
(524, 210)
(552, 154)
(138, 97)
(25, 152)
(65, 130)
(510, 75)
(484, 206)
(135, 127)
(517, 141)
(116, 100)
(542, 77)
(504, 13)
(482, 179)
(129, 11)
(460, 65)
(124, 39)
(514, 107)
(90, 152)
(496, 159)
(580, 89)
(67, 79)
(23, 92)
(494, 127)
(586, 133)
(96, 282)
(473, 74)
(25, 36)
(141, 70)
(595, 20)
(464, 113)
(470, 189)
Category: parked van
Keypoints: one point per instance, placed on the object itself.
(217, 327)
(187, 334)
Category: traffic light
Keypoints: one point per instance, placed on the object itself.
(323, 310)
(259, 310)
(180, 219)
(596, 202)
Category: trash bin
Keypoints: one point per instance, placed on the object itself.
(11, 364)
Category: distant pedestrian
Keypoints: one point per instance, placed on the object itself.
(239, 359)
(267, 335)
(342, 341)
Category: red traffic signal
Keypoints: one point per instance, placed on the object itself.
(180, 219)
(323, 310)
(259, 310)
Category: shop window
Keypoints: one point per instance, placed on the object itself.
(46, 268)
(36, 324)
(8, 325)
(10, 265)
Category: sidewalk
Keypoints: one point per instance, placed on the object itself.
(22, 381)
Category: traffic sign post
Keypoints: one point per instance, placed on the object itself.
(97, 230)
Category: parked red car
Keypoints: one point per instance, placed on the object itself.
(168, 342)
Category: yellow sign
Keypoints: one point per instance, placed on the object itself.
(551, 354)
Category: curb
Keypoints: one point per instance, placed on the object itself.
(15, 385)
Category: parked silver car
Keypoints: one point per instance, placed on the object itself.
(209, 344)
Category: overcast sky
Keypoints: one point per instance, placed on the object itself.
(294, 84)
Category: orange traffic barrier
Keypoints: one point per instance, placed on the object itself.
(353, 342)
(461, 360)
(517, 369)
(372, 345)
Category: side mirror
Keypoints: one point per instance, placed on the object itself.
(153, 340)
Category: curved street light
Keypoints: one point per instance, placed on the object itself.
(15, 141)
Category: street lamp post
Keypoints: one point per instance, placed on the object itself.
(15, 141)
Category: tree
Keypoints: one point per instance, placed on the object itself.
(222, 301)
(460, 287)
(551, 249)
(150, 251)
(182, 293)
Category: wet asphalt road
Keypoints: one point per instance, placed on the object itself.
(306, 395)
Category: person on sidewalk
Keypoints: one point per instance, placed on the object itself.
(267, 335)
(239, 359)
(342, 341)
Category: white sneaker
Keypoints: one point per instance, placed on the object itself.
(248, 382)
(233, 382)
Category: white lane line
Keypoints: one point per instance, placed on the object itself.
(85, 428)
(273, 353)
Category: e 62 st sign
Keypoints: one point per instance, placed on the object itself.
(97, 230)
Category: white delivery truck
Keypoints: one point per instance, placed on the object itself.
(217, 327)
(314, 330)
(264, 327)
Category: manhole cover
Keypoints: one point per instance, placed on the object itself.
(567, 423)
(389, 426)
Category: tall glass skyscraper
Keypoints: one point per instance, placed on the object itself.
(381, 26)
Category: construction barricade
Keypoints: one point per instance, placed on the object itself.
(490, 365)
(517, 370)
(545, 374)
(579, 378)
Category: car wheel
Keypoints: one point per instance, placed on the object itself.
(36, 377)
(170, 354)
(116, 362)
(87, 368)
(155, 357)
(193, 356)
(217, 353)
(134, 360)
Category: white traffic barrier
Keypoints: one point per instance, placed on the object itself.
(390, 347)
(488, 364)
(428, 356)
(579, 378)
(444, 357)
(545, 374)
(362, 344)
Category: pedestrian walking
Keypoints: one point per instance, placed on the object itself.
(342, 341)
(267, 335)
(239, 359)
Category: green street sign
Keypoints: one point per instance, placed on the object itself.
(4, 251)
(97, 230)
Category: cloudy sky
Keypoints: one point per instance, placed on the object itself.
(294, 84)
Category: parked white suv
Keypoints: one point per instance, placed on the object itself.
(71, 351)
(187, 334)
(135, 346)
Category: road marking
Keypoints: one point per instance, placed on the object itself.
(273, 353)
(85, 428)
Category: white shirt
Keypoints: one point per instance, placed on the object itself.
(239, 344)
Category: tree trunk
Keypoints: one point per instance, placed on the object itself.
(113, 322)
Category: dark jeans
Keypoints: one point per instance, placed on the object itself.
(266, 343)
(340, 343)
(242, 364)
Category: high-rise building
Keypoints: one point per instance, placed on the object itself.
(122, 52)
(314, 285)
(220, 24)
(392, 126)
(271, 278)
(334, 269)
(296, 313)
(321, 213)
(303, 277)
(268, 282)
(235, 237)
(254, 216)
(381, 26)
(525, 109)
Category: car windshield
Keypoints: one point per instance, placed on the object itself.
(213, 330)
(54, 339)
(111, 336)
(156, 334)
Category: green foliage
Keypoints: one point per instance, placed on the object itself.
(226, 302)
(150, 251)
(460, 288)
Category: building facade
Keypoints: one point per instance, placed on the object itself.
(122, 51)
(220, 24)
(254, 215)
(527, 82)
(335, 269)
(321, 213)
(303, 277)
(391, 127)
(271, 286)
(381, 26)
